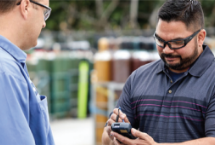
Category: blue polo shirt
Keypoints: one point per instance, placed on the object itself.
(172, 111)
(24, 115)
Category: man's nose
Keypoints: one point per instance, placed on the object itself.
(44, 24)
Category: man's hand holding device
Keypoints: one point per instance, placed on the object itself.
(122, 133)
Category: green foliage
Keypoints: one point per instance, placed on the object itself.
(207, 6)
(82, 14)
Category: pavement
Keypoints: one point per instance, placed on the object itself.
(73, 131)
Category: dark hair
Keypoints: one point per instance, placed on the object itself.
(7, 5)
(188, 11)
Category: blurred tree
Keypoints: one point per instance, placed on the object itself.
(209, 11)
(103, 15)
(134, 13)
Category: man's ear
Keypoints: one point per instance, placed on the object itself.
(24, 8)
(201, 37)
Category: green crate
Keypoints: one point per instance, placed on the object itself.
(44, 65)
(60, 65)
(60, 82)
(61, 106)
(31, 67)
(59, 96)
(74, 76)
(73, 63)
(60, 115)
(74, 102)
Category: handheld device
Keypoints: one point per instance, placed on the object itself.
(122, 127)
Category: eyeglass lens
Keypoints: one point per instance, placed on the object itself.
(46, 14)
(174, 45)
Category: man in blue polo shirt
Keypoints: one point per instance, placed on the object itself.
(24, 116)
(172, 100)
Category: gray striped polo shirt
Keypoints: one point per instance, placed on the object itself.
(172, 111)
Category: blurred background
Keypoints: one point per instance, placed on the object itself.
(85, 54)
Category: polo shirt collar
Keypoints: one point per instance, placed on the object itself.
(12, 49)
(161, 67)
(200, 65)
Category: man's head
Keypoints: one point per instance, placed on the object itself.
(179, 33)
(23, 20)
(188, 11)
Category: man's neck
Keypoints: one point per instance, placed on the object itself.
(9, 28)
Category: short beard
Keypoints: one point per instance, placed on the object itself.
(184, 63)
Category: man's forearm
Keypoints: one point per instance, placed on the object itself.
(201, 141)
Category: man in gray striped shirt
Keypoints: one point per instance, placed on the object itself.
(172, 100)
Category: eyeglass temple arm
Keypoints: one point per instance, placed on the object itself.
(19, 3)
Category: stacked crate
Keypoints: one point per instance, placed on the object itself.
(102, 75)
(101, 114)
(73, 87)
(60, 84)
(57, 77)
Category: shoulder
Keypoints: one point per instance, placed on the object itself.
(147, 69)
(143, 73)
(150, 66)
(8, 65)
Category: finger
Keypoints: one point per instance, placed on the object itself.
(122, 116)
(139, 134)
(110, 121)
(115, 111)
(114, 116)
(116, 142)
(125, 118)
(108, 130)
(122, 139)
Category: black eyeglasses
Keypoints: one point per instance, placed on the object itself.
(47, 11)
(174, 44)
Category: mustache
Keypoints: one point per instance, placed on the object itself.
(169, 55)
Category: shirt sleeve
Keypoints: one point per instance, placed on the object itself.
(14, 110)
(125, 101)
(210, 119)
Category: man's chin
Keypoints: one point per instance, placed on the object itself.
(172, 60)
(34, 45)
(172, 63)
(29, 47)
(175, 66)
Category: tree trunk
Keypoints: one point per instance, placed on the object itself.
(133, 13)
(106, 14)
(99, 8)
